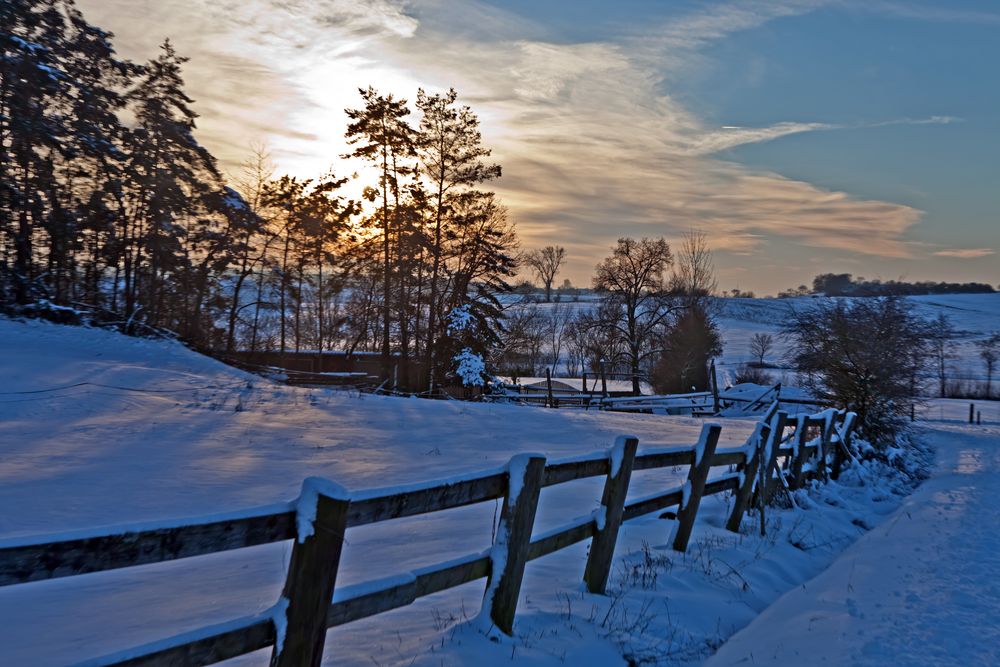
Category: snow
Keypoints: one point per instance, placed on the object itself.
(460, 319)
(470, 368)
(144, 432)
(149, 435)
(312, 489)
(920, 589)
(699, 449)
(279, 617)
(617, 453)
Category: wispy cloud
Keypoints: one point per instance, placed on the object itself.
(593, 142)
(966, 253)
(925, 12)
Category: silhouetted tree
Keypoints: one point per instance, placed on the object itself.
(545, 263)
(760, 345)
(687, 347)
(636, 303)
(863, 355)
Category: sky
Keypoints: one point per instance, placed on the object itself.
(801, 136)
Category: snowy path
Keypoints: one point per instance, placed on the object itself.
(920, 589)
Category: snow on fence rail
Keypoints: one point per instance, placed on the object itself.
(296, 626)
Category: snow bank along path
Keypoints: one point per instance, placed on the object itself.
(920, 589)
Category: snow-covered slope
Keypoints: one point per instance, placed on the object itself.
(974, 316)
(98, 429)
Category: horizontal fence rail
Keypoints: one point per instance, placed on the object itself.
(781, 452)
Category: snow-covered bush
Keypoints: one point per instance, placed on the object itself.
(470, 368)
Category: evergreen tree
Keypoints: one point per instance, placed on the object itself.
(382, 136)
(687, 348)
(172, 174)
(451, 161)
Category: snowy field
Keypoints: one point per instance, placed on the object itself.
(98, 429)
(974, 317)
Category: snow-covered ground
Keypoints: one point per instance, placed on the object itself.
(920, 589)
(974, 317)
(99, 429)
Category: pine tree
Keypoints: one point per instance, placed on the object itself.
(382, 136)
(171, 173)
(31, 131)
(451, 160)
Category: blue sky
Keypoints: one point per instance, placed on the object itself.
(802, 136)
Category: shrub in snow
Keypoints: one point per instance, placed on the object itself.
(865, 354)
(470, 368)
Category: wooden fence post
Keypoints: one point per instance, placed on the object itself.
(602, 548)
(801, 441)
(312, 572)
(695, 485)
(549, 403)
(513, 539)
(716, 405)
(741, 500)
(770, 485)
(824, 447)
(843, 451)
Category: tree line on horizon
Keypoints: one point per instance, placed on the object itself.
(845, 284)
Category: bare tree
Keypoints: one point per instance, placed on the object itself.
(694, 271)
(760, 345)
(523, 339)
(545, 265)
(941, 335)
(989, 352)
(862, 354)
(637, 302)
(556, 324)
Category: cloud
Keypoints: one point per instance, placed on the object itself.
(965, 253)
(922, 12)
(593, 142)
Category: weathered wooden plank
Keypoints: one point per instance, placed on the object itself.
(652, 504)
(729, 457)
(402, 591)
(441, 577)
(312, 572)
(24, 562)
(559, 473)
(767, 485)
(843, 451)
(730, 482)
(556, 541)
(798, 463)
(602, 549)
(366, 510)
(697, 476)
(201, 647)
(399, 593)
(510, 547)
(677, 456)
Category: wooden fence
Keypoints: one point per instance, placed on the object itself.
(781, 451)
